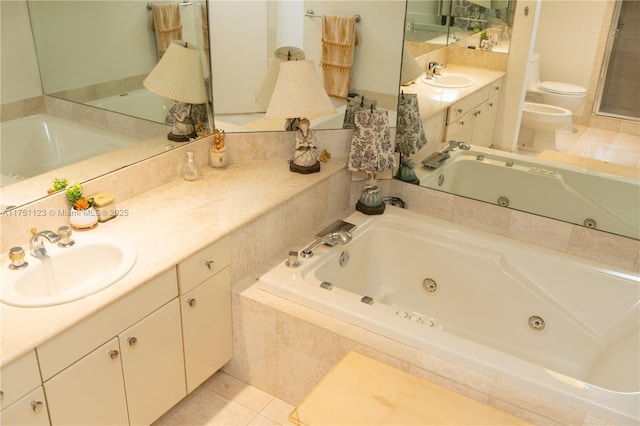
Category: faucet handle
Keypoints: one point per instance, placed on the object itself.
(64, 232)
(16, 254)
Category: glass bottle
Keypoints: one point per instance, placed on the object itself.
(190, 169)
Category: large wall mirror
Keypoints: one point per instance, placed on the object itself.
(596, 191)
(245, 36)
(439, 23)
(93, 56)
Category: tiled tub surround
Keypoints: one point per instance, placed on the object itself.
(267, 210)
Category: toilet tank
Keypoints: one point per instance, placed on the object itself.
(534, 71)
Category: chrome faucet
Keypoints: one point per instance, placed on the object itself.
(331, 239)
(432, 69)
(437, 159)
(37, 244)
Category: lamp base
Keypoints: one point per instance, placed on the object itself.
(305, 170)
(370, 210)
(181, 138)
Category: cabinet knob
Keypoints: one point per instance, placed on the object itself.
(113, 353)
(191, 302)
(132, 341)
(210, 264)
(36, 406)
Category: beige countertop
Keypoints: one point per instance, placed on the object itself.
(166, 225)
(432, 99)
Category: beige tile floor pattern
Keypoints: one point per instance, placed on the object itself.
(225, 400)
(600, 144)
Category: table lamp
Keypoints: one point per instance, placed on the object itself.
(298, 96)
(371, 152)
(281, 54)
(178, 76)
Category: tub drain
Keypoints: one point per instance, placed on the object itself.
(430, 285)
(344, 258)
(536, 323)
(503, 201)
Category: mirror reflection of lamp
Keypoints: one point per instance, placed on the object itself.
(298, 96)
(410, 68)
(178, 76)
(410, 137)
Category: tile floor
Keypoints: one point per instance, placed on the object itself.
(600, 144)
(225, 400)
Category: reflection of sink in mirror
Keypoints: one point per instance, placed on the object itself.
(449, 80)
(67, 274)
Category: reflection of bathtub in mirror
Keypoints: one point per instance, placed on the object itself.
(40, 143)
(138, 103)
(604, 201)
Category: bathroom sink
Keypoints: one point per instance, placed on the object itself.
(67, 274)
(449, 80)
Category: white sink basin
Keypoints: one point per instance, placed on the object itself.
(449, 80)
(67, 274)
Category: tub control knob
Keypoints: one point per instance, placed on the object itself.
(292, 261)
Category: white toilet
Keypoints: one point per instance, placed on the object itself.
(563, 101)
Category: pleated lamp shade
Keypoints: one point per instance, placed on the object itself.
(281, 54)
(410, 67)
(178, 75)
(299, 93)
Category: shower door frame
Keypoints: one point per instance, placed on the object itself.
(602, 80)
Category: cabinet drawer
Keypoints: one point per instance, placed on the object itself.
(19, 378)
(87, 335)
(465, 105)
(204, 264)
(30, 410)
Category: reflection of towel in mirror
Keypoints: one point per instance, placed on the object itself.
(371, 148)
(166, 24)
(410, 137)
(339, 37)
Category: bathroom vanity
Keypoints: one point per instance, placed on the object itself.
(133, 360)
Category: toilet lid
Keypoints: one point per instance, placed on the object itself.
(562, 88)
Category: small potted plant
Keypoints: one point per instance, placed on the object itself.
(83, 214)
(218, 151)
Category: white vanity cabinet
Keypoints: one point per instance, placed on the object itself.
(472, 119)
(136, 376)
(90, 391)
(205, 303)
(22, 400)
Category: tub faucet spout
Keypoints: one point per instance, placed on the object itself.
(437, 159)
(37, 244)
(331, 239)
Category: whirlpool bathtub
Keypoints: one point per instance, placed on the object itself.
(557, 325)
(586, 197)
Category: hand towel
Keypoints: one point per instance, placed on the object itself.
(371, 148)
(410, 137)
(166, 24)
(339, 38)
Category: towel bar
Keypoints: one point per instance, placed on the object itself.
(184, 3)
(312, 14)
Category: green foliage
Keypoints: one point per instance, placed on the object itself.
(74, 193)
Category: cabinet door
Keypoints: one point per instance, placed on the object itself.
(153, 364)
(206, 328)
(30, 410)
(484, 119)
(90, 391)
(460, 130)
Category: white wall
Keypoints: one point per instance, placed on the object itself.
(567, 38)
(18, 63)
